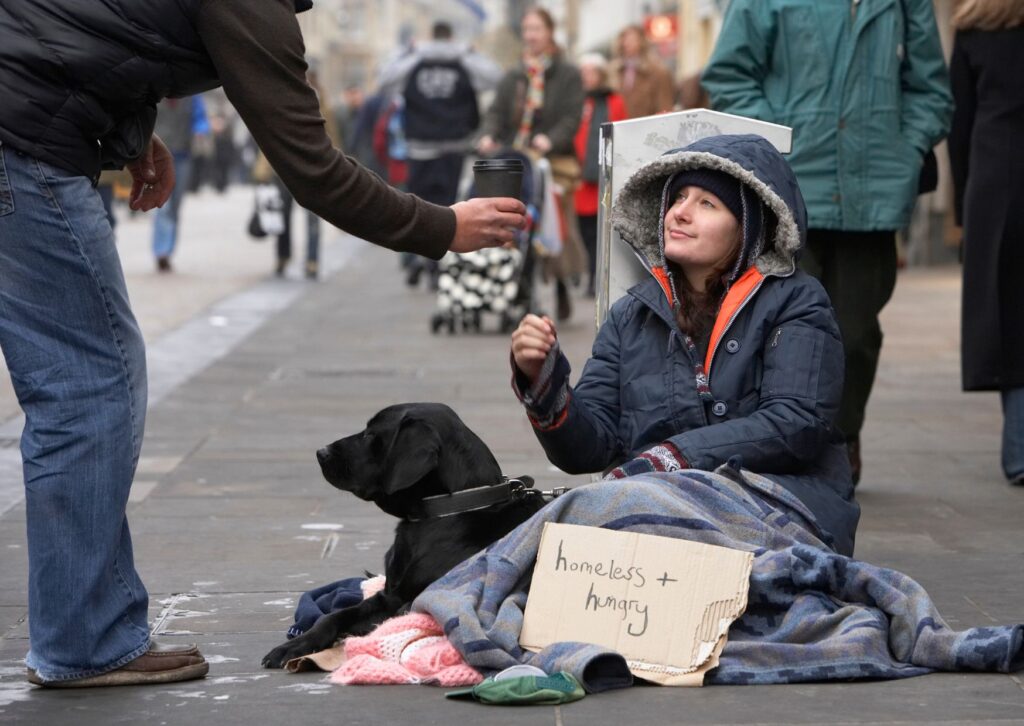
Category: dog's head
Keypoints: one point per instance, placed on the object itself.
(408, 452)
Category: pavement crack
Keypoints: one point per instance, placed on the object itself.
(329, 545)
(980, 609)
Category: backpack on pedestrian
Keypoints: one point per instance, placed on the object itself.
(440, 101)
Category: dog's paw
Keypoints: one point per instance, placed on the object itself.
(295, 648)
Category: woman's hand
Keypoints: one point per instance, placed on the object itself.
(486, 145)
(541, 143)
(531, 343)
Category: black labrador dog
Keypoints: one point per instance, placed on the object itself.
(407, 456)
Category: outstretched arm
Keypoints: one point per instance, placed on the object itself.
(258, 53)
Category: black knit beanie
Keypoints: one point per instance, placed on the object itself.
(724, 186)
(739, 199)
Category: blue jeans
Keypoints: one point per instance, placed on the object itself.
(1013, 432)
(165, 225)
(78, 366)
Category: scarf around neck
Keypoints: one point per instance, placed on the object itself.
(534, 67)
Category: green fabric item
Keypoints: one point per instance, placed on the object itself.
(524, 690)
(864, 86)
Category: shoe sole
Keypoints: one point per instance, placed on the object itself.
(126, 678)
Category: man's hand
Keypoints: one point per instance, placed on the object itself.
(152, 176)
(486, 145)
(486, 222)
(541, 143)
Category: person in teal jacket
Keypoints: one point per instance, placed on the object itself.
(865, 88)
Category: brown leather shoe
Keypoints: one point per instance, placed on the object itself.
(160, 664)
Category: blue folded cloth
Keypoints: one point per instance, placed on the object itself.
(325, 599)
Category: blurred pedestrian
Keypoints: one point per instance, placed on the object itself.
(986, 149)
(345, 113)
(438, 81)
(637, 74)
(537, 109)
(214, 153)
(79, 83)
(601, 105)
(361, 140)
(178, 122)
(864, 86)
(692, 94)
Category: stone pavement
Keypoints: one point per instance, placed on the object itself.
(233, 520)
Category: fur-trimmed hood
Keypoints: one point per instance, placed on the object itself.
(639, 211)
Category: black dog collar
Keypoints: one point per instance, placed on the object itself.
(469, 500)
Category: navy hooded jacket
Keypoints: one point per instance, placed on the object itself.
(774, 364)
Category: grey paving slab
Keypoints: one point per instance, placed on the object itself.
(11, 618)
(234, 520)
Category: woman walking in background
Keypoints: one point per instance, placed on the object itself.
(537, 109)
(602, 105)
(645, 84)
(986, 148)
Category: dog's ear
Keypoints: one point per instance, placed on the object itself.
(414, 453)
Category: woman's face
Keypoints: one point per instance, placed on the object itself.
(701, 234)
(592, 77)
(631, 43)
(536, 36)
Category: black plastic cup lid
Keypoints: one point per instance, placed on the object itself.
(498, 165)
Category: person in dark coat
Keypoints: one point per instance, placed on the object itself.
(79, 83)
(986, 149)
(727, 353)
(602, 105)
(536, 110)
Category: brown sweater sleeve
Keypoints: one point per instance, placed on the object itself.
(258, 51)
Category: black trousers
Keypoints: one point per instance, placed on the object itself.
(588, 232)
(858, 270)
(437, 181)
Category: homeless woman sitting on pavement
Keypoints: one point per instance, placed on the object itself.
(728, 357)
(727, 351)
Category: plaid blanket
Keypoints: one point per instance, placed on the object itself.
(812, 614)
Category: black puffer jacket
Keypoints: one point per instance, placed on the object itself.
(80, 80)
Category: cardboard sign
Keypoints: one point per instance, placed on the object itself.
(665, 604)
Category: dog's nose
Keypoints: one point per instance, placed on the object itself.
(321, 455)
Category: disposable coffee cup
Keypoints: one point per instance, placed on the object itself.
(498, 177)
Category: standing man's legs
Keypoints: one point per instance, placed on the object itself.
(165, 224)
(312, 245)
(858, 270)
(78, 366)
(284, 240)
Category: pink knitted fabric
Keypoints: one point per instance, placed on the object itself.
(408, 649)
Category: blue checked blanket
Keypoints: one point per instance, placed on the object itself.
(812, 615)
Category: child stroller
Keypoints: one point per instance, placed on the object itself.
(495, 281)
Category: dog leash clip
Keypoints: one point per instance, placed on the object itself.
(519, 488)
(554, 493)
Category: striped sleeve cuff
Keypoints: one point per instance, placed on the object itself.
(547, 399)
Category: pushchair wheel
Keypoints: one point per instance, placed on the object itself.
(436, 321)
